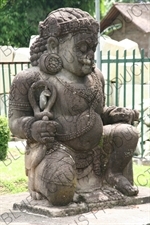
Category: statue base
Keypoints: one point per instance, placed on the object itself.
(84, 202)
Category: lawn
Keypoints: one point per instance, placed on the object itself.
(12, 172)
(141, 175)
(14, 180)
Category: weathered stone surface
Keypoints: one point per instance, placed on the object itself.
(106, 201)
(75, 144)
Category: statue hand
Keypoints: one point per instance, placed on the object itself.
(125, 115)
(44, 131)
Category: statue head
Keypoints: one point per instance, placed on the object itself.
(67, 38)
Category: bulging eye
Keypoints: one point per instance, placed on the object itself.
(83, 47)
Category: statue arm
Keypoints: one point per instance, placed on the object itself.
(26, 121)
(102, 81)
(115, 114)
(20, 111)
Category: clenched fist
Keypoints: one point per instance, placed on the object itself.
(44, 131)
(125, 115)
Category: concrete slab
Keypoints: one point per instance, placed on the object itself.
(99, 200)
(119, 215)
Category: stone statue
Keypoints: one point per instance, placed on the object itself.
(74, 142)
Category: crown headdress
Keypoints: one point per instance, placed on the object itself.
(51, 26)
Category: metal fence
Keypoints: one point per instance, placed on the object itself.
(8, 70)
(128, 85)
(127, 82)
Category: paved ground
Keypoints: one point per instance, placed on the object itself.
(128, 215)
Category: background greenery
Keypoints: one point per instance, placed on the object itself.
(12, 175)
(19, 18)
(4, 137)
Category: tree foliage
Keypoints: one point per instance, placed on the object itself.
(4, 137)
(19, 18)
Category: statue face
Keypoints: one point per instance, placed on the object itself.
(77, 53)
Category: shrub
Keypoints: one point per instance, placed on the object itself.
(4, 137)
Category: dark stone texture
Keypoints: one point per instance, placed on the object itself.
(75, 144)
(43, 207)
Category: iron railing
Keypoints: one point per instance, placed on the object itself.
(128, 85)
(127, 82)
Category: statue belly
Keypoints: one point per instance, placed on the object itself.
(89, 139)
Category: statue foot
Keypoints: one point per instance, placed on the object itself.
(122, 184)
(36, 195)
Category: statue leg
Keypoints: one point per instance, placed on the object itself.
(55, 176)
(121, 139)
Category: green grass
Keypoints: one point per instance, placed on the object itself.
(141, 175)
(14, 180)
(12, 173)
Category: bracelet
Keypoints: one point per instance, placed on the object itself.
(27, 128)
(106, 115)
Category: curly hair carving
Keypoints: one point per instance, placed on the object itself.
(58, 24)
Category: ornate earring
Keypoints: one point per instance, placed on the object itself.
(50, 63)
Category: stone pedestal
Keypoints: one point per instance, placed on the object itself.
(97, 200)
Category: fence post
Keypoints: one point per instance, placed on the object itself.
(117, 76)
(142, 95)
(133, 80)
(4, 89)
(125, 70)
(108, 78)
